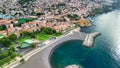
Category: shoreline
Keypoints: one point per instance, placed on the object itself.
(44, 54)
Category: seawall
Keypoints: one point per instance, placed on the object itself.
(41, 59)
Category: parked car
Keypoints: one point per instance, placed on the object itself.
(41, 44)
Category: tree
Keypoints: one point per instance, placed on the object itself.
(3, 55)
(3, 27)
(58, 33)
(5, 42)
(73, 17)
(26, 33)
(13, 37)
(1, 62)
(13, 55)
(47, 30)
(23, 20)
(39, 14)
(33, 45)
(22, 60)
(24, 1)
(32, 35)
(7, 59)
(97, 11)
(12, 49)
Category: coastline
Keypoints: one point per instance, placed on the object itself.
(44, 54)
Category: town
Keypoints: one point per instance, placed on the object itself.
(25, 24)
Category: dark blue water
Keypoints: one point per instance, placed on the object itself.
(106, 50)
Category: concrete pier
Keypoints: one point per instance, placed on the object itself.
(89, 39)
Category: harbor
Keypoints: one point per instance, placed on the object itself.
(44, 55)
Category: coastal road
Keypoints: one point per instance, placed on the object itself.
(41, 59)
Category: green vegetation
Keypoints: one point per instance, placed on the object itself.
(33, 45)
(73, 17)
(61, 20)
(23, 20)
(3, 27)
(97, 11)
(48, 30)
(12, 37)
(61, 4)
(3, 11)
(5, 42)
(20, 40)
(6, 57)
(42, 36)
(26, 33)
(24, 1)
(22, 60)
(39, 14)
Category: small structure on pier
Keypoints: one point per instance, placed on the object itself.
(73, 66)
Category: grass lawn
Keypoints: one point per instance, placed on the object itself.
(43, 37)
(40, 36)
(22, 39)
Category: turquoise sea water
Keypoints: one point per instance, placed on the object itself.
(106, 50)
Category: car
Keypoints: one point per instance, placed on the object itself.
(41, 44)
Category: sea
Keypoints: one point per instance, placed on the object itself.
(106, 50)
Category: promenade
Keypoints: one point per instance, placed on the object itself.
(41, 59)
(42, 55)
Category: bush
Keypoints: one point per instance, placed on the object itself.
(3, 55)
(1, 62)
(47, 30)
(32, 35)
(58, 33)
(73, 17)
(13, 55)
(5, 42)
(22, 60)
(3, 27)
(97, 10)
(12, 37)
(26, 33)
(23, 20)
(24, 1)
(34, 45)
(8, 59)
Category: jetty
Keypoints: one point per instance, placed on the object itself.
(42, 58)
(90, 38)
